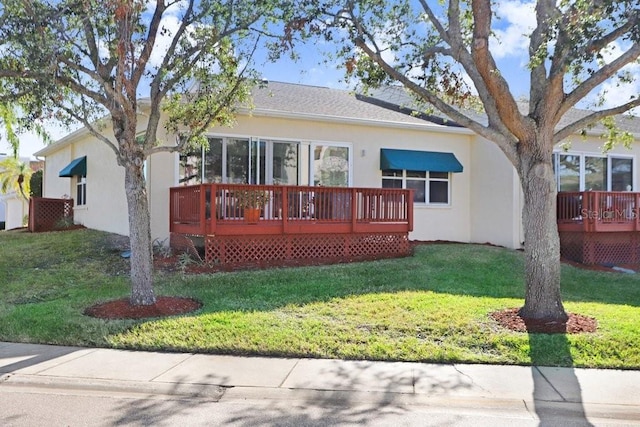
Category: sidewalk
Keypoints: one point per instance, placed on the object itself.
(586, 393)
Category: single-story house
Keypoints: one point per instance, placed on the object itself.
(465, 189)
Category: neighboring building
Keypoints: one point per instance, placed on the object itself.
(13, 208)
(465, 189)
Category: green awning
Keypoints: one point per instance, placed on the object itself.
(77, 167)
(432, 161)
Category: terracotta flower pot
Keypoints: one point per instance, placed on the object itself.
(252, 215)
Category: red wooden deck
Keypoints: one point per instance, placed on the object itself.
(296, 223)
(599, 227)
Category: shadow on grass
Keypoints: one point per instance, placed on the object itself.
(455, 269)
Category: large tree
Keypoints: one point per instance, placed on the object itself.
(85, 60)
(441, 51)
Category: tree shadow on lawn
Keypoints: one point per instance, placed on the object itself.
(459, 270)
(456, 269)
(499, 272)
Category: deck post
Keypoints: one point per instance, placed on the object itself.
(636, 211)
(203, 211)
(285, 210)
(354, 209)
(409, 207)
(212, 221)
(588, 205)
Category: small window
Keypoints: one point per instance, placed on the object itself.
(81, 191)
(392, 178)
(430, 188)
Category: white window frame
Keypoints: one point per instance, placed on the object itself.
(427, 179)
(312, 147)
(582, 155)
(81, 188)
(302, 145)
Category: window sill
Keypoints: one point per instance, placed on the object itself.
(432, 205)
(80, 208)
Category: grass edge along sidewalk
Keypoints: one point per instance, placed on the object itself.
(430, 307)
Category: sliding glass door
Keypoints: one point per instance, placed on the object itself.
(265, 161)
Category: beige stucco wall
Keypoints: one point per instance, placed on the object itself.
(495, 197)
(486, 200)
(54, 186)
(430, 222)
(106, 207)
(161, 175)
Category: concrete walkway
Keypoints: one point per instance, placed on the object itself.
(541, 392)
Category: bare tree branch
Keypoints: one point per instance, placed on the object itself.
(91, 128)
(507, 145)
(152, 33)
(545, 12)
(497, 86)
(592, 118)
(599, 77)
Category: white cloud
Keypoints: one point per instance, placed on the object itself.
(170, 23)
(518, 19)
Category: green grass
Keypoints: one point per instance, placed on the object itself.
(432, 307)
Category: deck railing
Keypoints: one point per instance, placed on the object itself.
(598, 211)
(218, 209)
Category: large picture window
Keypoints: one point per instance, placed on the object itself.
(266, 161)
(584, 172)
(432, 188)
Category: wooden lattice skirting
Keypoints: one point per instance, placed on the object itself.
(47, 214)
(300, 249)
(601, 248)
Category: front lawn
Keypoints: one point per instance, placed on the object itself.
(431, 307)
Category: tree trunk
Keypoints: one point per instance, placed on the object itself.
(542, 243)
(139, 237)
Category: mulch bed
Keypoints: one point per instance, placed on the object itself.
(576, 323)
(122, 309)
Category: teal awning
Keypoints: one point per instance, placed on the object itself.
(77, 167)
(432, 161)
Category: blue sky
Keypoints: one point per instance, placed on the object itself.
(510, 49)
(308, 70)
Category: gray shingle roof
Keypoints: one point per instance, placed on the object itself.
(397, 95)
(299, 99)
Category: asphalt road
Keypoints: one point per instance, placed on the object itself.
(44, 406)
